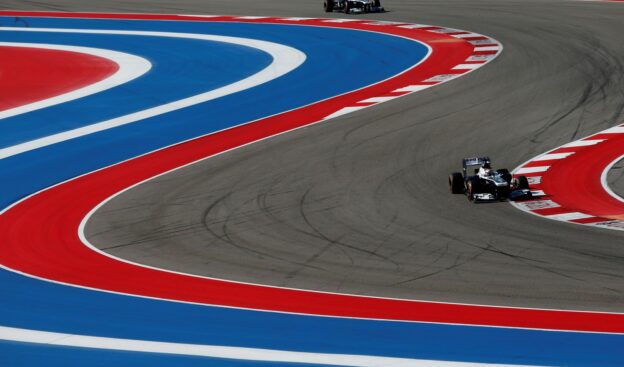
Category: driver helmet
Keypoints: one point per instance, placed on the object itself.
(487, 168)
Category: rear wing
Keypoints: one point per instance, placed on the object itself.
(474, 161)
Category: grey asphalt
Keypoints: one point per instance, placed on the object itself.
(360, 204)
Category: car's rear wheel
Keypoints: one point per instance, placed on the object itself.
(328, 5)
(377, 3)
(347, 7)
(456, 183)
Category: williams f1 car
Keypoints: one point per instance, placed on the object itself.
(486, 184)
(353, 6)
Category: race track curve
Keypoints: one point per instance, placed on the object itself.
(359, 204)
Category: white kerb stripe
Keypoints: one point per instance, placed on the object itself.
(215, 351)
(569, 216)
(487, 48)
(251, 17)
(344, 111)
(467, 66)
(552, 156)
(525, 170)
(413, 88)
(414, 26)
(614, 130)
(285, 59)
(378, 99)
(340, 20)
(130, 68)
(582, 143)
(467, 35)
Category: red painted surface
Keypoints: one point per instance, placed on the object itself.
(39, 236)
(29, 75)
(575, 181)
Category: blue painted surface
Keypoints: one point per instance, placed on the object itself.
(34, 304)
(320, 77)
(27, 355)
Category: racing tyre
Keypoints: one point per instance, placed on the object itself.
(329, 6)
(470, 189)
(456, 183)
(347, 8)
(377, 3)
(522, 183)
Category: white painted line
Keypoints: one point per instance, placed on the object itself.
(344, 111)
(340, 20)
(605, 182)
(285, 59)
(413, 88)
(130, 68)
(467, 35)
(553, 156)
(378, 99)
(384, 23)
(215, 351)
(487, 48)
(467, 66)
(534, 180)
(296, 19)
(199, 16)
(538, 193)
(525, 170)
(414, 26)
(251, 17)
(582, 143)
(614, 130)
(569, 216)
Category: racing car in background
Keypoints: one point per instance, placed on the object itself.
(353, 6)
(486, 184)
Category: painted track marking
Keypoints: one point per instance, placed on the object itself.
(363, 307)
(285, 59)
(216, 351)
(130, 68)
(574, 184)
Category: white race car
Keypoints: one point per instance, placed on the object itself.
(353, 6)
(489, 184)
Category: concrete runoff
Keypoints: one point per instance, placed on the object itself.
(360, 204)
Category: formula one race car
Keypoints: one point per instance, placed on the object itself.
(487, 184)
(353, 6)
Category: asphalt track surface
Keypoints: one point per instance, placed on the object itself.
(360, 205)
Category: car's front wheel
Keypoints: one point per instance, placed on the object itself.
(328, 5)
(470, 186)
